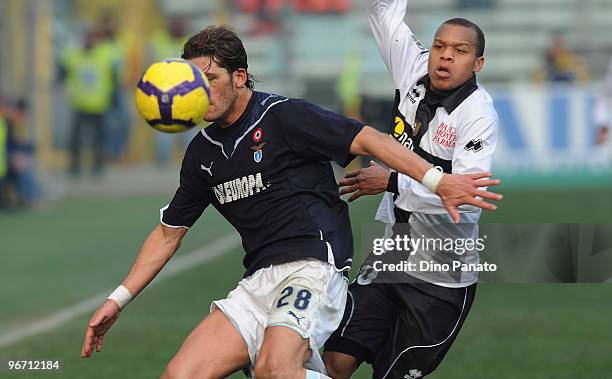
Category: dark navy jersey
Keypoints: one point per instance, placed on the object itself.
(269, 175)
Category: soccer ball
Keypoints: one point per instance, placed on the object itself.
(173, 95)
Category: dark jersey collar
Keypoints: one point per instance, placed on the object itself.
(450, 100)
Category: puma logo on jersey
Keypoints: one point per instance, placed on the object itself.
(240, 188)
(296, 317)
(207, 169)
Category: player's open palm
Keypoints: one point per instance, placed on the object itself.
(97, 327)
(459, 189)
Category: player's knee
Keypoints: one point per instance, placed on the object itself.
(178, 369)
(338, 365)
(274, 368)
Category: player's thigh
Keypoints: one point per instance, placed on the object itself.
(307, 308)
(283, 353)
(340, 365)
(368, 319)
(214, 349)
(425, 329)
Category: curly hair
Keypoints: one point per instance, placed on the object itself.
(223, 46)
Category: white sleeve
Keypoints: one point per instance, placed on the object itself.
(400, 50)
(474, 151)
(603, 104)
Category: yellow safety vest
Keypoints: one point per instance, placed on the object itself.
(3, 148)
(89, 78)
(164, 46)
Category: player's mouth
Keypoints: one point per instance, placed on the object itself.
(442, 73)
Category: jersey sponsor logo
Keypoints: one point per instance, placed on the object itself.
(240, 188)
(257, 135)
(475, 145)
(413, 374)
(446, 136)
(207, 169)
(400, 134)
(258, 152)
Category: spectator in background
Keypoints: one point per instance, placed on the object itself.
(22, 154)
(322, 6)
(561, 65)
(89, 72)
(117, 119)
(268, 14)
(4, 156)
(603, 109)
(168, 43)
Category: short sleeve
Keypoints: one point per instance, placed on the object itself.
(317, 133)
(191, 198)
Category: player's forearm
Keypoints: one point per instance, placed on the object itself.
(156, 251)
(370, 142)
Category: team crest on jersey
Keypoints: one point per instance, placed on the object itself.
(257, 135)
(417, 126)
(258, 151)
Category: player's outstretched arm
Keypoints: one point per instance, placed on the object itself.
(454, 190)
(156, 251)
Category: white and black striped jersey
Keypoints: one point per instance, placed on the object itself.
(455, 131)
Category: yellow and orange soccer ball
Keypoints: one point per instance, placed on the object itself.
(173, 95)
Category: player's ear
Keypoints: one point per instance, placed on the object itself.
(240, 77)
(479, 63)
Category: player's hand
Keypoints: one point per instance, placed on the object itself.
(98, 325)
(459, 189)
(366, 181)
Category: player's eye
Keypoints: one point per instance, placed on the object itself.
(460, 51)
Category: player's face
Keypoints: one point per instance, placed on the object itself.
(452, 58)
(223, 91)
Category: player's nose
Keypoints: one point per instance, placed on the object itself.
(447, 55)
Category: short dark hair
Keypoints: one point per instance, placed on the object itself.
(223, 46)
(480, 38)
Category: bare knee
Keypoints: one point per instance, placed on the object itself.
(339, 365)
(179, 369)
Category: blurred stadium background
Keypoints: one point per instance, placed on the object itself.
(67, 239)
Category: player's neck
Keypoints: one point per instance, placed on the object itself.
(238, 108)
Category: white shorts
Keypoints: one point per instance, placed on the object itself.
(307, 296)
